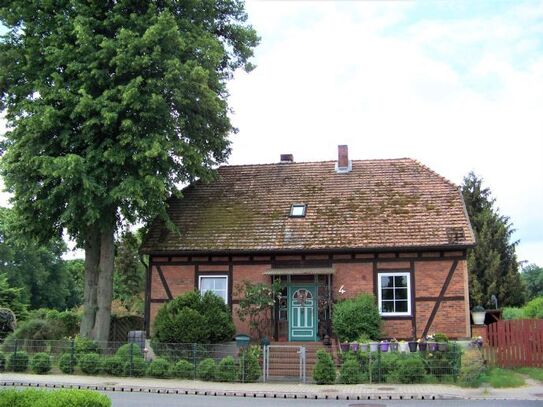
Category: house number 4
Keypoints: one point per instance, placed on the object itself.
(342, 290)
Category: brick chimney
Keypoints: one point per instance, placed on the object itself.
(343, 164)
(286, 158)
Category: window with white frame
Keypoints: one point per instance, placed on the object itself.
(216, 284)
(394, 292)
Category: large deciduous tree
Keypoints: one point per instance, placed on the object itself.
(532, 275)
(110, 105)
(493, 265)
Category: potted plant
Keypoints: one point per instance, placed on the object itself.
(412, 345)
(374, 346)
(403, 346)
(442, 342)
(354, 346)
(394, 345)
(384, 345)
(363, 343)
(344, 346)
(423, 345)
(478, 315)
(432, 345)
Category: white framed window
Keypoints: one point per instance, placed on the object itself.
(218, 285)
(394, 293)
(298, 210)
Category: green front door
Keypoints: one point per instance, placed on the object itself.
(302, 313)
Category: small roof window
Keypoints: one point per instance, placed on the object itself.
(298, 210)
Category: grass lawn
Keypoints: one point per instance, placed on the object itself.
(499, 378)
(535, 373)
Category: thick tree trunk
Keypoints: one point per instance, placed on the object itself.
(92, 259)
(105, 283)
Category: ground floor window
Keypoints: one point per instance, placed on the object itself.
(394, 292)
(218, 285)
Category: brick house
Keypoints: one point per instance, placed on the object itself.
(329, 230)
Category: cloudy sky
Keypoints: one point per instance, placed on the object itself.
(457, 85)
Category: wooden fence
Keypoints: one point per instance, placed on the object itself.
(516, 343)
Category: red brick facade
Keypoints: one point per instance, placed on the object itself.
(439, 290)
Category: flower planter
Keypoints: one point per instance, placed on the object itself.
(432, 346)
(344, 346)
(354, 347)
(443, 347)
(478, 317)
(394, 346)
(412, 346)
(423, 346)
(374, 346)
(364, 347)
(404, 347)
(384, 346)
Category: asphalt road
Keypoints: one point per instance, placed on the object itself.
(171, 400)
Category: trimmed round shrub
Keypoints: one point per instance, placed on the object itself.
(159, 368)
(90, 363)
(410, 370)
(85, 346)
(136, 368)
(206, 369)
(250, 369)
(18, 362)
(113, 365)
(324, 371)
(2, 362)
(67, 363)
(124, 352)
(534, 308)
(42, 398)
(227, 371)
(183, 369)
(350, 372)
(40, 363)
(194, 318)
(355, 317)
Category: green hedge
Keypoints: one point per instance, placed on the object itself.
(53, 398)
(324, 371)
(41, 363)
(357, 317)
(18, 362)
(183, 369)
(67, 363)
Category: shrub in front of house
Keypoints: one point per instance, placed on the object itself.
(194, 318)
(183, 369)
(41, 363)
(128, 349)
(113, 365)
(354, 317)
(135, 368)
(85, 346)
(408, 370)
(159, 368)
(472, 369)
(324, 371)
(18, 362)
(250, 369)
(67, 363)
(90, 363)
(351, 373)
(206, 369)
(57, 398)
(227, 371)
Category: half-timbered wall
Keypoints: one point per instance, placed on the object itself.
(439, 284)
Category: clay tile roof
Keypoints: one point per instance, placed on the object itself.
(381, 204)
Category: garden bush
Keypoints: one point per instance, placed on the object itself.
(472, 369)
(324, 371)
(112, 365)
(409, 370)
(183, 369)
(56, 398)
(85, 346)
(2, 362)
(159, 368)
(67, 363)
(124, 351)
(227, 371)
(8, 322)
(136, 368)
(355, 317)
(351, 373)
(534, 308)
(18, 362)
(513, 313)
(89, 363)
(194, 318)
(31, 334)
(249, 367)
(206, 369)
(40, 363)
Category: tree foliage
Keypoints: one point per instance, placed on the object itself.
(493, 265)
(110, 106)
(129, 279)
(532, 275)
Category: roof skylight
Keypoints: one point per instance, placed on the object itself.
(298, 210)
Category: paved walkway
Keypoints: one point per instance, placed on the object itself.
(532, 391)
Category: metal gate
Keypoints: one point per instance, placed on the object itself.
(284, 362)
